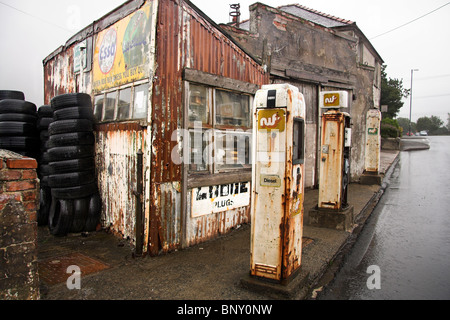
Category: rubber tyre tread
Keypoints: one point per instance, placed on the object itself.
(11, 94)
(71, 139)
(73, 165)
(45, 111)
(70, 152)
(71, 100)
(20, 117)
(17, 106)
(72, 125)
(17, 128)
(60, 216)
(82, 191)
(74, 113)
(19, 143)
(43, 123)
(80, 213)
(73, 179)
(94, 212)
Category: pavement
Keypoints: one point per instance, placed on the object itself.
(214, 270)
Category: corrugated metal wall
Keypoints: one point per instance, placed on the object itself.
(185, 39)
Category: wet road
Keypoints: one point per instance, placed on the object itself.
(404, 250)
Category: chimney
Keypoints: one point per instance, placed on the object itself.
(235, 13)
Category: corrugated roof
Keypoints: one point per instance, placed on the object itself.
(320, 18)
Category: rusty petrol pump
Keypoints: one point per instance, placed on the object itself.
(277, 183)
(371, 174)
(333, 210)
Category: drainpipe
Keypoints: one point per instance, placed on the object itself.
(138, 210)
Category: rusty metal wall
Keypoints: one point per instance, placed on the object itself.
(59, 77)
(185, 39)
(116, 159)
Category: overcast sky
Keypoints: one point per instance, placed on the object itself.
(31, 30)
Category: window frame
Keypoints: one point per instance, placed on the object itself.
(213, 129)
(118, 90)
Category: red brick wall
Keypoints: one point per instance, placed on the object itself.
(19, 202)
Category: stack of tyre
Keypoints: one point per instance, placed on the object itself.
(44, 118)
(18, 124)
(75, 205)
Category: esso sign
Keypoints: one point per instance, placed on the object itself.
(107, 51)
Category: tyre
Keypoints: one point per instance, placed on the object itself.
(73, 125)
(17, 106)
(82, 191)
(71, 100)
(74, 113)
(80, 214)
(45, 112)
(44, 207)
(20, 117)
(44, 170)
(19, 143)
(73, 165)
(95, 208)
(71, 139)
(16, 128)
(60, 216)
(43, 123)
(11, 94)
(44, 135)
(70, 152)
(73, 179)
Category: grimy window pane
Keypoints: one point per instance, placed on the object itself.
(123, 105)
(232, 109)
(140, 101)
(98, 107)
(110, 104)
(199, 104)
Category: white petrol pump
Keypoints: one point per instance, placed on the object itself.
(334, 173)
(371, 174)
(277, 182)
(373, 141)
(333, 210)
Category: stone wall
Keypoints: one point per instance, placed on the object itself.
(19, 202)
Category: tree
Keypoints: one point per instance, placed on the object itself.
(392, 93)
(448, 122)
(404, 123)
(429, 124)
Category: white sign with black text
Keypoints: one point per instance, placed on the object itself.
(213, 199)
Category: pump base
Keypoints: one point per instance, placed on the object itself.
(370, 178)
(331, 219)
(289, 289)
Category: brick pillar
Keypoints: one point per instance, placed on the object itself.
(19, 202)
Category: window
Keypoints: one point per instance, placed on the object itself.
(140, 101)
(124, 104)
(298, 141)
(232, 150)
(199, 102)
(98, 107)
(109, 105)
(219, 129)
(232, 109)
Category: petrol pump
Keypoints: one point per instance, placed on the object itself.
(373, 145)
(333, 210)
(277, 182)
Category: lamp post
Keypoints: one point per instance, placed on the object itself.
(410, 100)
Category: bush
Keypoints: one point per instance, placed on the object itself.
(390, 128)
